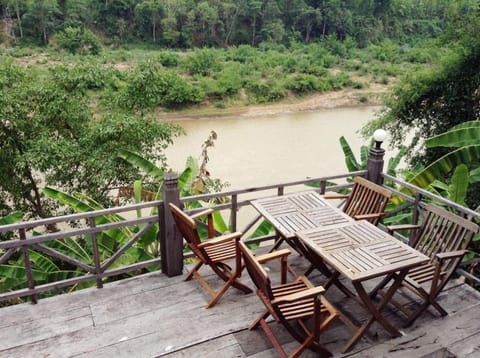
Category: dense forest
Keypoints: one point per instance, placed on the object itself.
(222, 23)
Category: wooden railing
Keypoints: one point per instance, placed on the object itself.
(33, 237)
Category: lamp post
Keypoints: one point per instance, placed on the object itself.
(375, 157)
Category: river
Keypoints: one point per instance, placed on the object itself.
(271, 149)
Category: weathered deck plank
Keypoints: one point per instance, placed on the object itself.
(154, 316)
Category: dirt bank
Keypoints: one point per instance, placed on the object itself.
(343, 98)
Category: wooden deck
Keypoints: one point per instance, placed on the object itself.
(156, 316)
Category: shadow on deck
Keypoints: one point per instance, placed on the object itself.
(156, 316)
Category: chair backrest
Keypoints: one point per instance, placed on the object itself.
(442, 231)
(367, 198)
(187, 227)
(256, 271)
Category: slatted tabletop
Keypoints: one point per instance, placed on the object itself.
(360, 250)
(296, 212)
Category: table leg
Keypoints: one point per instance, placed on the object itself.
(375, 310)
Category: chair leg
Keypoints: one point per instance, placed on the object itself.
(240, 286)
(221, 292)
(306, 340)
(276, 344)
(225, 274)
(439, 308)
(422, 309)
(193, 271)
(260, 318)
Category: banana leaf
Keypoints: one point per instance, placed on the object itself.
(445, 165)
(395, 161)
(457, 190)
(11, 218)
(460, 136)
(350, 160)
(138, 161)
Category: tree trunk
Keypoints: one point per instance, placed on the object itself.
(19, 19)
(153, 30)
(254, 25)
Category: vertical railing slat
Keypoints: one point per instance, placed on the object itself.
(28, 266)
(96, 254)
(233, 213)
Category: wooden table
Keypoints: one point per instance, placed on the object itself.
(292, 213)
(360, 251)
(296, 212)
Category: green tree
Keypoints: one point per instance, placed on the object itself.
(153, 10)
(49, 136)
(432, 101)
(41, 15)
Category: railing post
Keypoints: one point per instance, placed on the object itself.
(96, 254)
(28, 266)
(375, 158)
(171, 242)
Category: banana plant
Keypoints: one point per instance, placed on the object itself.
(11, 218)
(465, 138)
(44, 268)
(354, 165)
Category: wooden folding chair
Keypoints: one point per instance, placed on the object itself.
(213, 252)
(299, 306)
(367, 200)
(444, 237)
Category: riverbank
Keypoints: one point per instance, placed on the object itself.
(337, 99)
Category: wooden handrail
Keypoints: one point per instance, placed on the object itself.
(237, 199)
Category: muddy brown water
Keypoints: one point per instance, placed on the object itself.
(269, 149)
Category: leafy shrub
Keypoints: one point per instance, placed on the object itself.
(230, 80)
(85, 76)
(150, 86)
(334, 46)
(303, 83)
(242, 53)
(340, 80)
(266, 91)
(20, 52)
(419, 55)
(169, 59)
(77, 40)
(179, 92)
(200, 62)
(329, 61)
(386, 51)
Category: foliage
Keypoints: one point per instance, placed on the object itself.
(265, 91)
(149, 85)
(463, 139)
(88, 75)
(200, 62)
(49, 134)
(185, 23)
(438, 100)
(169, 59)
(430, 102)
(77, 40)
